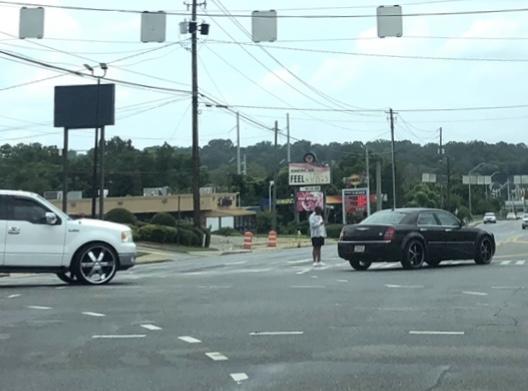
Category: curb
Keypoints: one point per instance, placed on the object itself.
(233, 252)
(4, 275)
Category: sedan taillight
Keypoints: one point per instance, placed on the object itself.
(389, 234)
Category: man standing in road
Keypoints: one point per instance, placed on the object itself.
(317, 233)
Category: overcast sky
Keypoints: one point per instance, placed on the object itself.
(233, 77)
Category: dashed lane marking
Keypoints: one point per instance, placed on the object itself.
(38, 307)
(119, 336)
(239, 377)
(507, 287)
(308, 286)
(14, 296)
(151, 327)
(275, 333)
(342, 280)
(520, 263)
(216, 356)
(473, 293)
(94, 314)
(404, 286)
(415, 332)
(505, 263)
(304, 271)
(300, 261)
(189, 339)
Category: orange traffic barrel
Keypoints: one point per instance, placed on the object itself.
(272, 239)
(248, 240)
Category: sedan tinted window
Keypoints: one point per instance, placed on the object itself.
(426, 219)
(447, 219)
(385, 218)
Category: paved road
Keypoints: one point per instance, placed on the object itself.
(269, 321)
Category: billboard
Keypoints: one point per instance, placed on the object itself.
(304, 174)
(84, 106)
(307, 201)
(355, 204)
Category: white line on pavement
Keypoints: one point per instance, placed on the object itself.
(119, 336)
(404, 286)
(507, 287)
(505, 263)
(342, 280)
(520, 263)
(95, 314)
(300, 261)
(236, 263)
(151, 327)
(60, 288)
(38, 307)
(239, 377)
(304, 271)
(315, 277)
(215, 286)
(189, 339)
(275, 333)
(14, 296)
(474, 293)
(216, 356)
(414, 332)
(307, 286)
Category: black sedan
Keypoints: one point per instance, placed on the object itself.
(413, 236)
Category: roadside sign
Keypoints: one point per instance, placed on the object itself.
(310, 188)
(304, 174)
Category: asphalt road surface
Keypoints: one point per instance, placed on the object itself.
(269, 321)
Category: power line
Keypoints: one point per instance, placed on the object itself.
(382, 55)
(283, 16)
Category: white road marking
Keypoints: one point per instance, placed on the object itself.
(39, 307)
(414, 332)
(520, 263)
(304, 271)
(275, 333)
(307, 286)
(60, 288)
(216, 356)
(251, 270)
(389, 265)
(474, 293)
(239, 377)
(507, 287)
(119, 336)
(151, 327)
(342, 280)
(404, 286)
(215, 286)
(315, 277)
(189, 339)
(95, 314)
(14, 296)
(505, 263)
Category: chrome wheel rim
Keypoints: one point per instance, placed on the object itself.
(98, 265)
(485, 250)
(416, 254)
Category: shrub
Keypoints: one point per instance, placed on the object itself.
(263, 222)
(121, 215)
(158, 234)
(333, 230)
(227, 231)
(187, 237)
(165, 219)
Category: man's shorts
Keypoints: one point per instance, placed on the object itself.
(318, 242)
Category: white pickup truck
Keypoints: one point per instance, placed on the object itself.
(37, 237)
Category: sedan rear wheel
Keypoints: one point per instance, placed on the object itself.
(360, 265)
(484, 251)
(95, 264)
(413, 255)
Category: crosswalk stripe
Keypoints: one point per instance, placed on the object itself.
(520, 263)
(505, 263)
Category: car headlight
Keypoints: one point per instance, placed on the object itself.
(126, 236)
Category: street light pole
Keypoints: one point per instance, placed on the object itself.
(195, 139)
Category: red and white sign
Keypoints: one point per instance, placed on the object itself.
(307, 201)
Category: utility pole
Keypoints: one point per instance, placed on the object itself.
(441, 152)
(367, 164)
(102, 175)
(379, 195)
(65, 172)
(288, 134)
(239, 171)
(393, 160)
(244, 171)
(195, 139)
(274, 196)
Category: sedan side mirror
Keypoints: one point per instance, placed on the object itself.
(51, 218)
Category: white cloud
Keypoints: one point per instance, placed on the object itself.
(278, 77)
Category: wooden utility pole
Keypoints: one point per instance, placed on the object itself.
(239, 169)
(195, 140)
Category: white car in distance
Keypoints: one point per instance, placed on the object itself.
(37, 237)
(489, 218)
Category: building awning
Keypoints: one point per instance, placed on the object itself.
(230, 212)
(334, 200)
